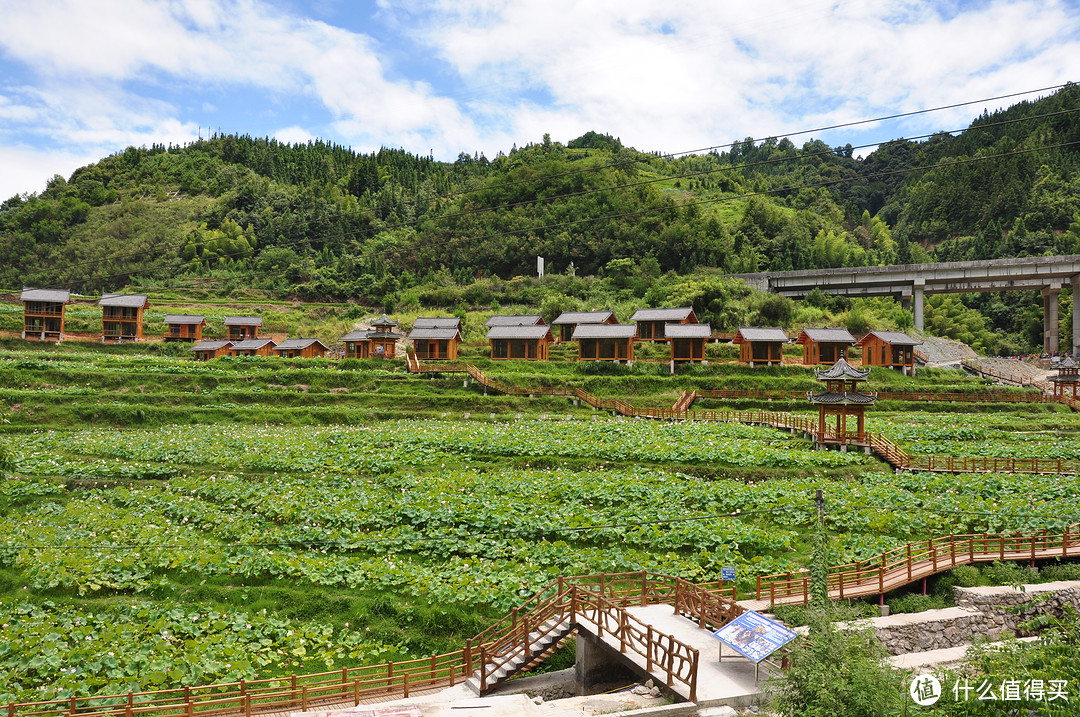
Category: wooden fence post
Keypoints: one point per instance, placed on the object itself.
(648, 648)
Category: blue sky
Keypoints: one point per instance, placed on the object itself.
(81, 79)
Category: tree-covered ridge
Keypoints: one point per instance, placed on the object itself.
(321, 220)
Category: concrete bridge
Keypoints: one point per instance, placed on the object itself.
(911, 282)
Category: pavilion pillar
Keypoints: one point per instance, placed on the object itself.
(917, 303)
(1050, 318)
(1075, 284)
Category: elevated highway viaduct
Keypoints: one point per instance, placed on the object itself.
(912, 282)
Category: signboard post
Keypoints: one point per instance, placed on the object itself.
(540, 267)
(754, 636)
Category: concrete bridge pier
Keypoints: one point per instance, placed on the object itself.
(1074, 283)
(1050, 318)
(917, 302)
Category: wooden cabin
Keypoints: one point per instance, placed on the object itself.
(891, 349)
(605, 342)
(184, 327)
(253, 347)
(824, 346)
(206, 350)
(761, 346)
(122, 317)
(300, 348)
(652, 323)
(515, 320)
(526, 342)
(43, 313)
(435, 344)
(687, 342)
(242, 328)
(437, 322)
(841, 400)
(570, 320)
(1067, 378)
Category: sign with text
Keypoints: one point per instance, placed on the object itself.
(727, 573)
(754, 636)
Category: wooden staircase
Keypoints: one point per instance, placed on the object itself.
(522, 656)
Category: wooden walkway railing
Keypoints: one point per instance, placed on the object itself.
(914, 561)
(599, 598)
(914, 396)
(889, 451)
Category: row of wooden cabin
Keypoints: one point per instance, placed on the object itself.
(599, 335)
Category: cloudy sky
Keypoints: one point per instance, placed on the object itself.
(81, 79)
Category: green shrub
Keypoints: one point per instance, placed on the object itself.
(966, 576)
(913, 602)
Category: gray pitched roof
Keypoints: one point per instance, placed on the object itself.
(183, 319)
(847, 397)
(677, 314)
(756, 333)
(827, 335)
(604, 331)
(842, 369)
(54, 295)
(514, 320)
(435, 333)
(687, 331)
(297, 344)
(384, 320)
(243, 321)
(582, 317)
(210, 345)
(519, 331)
(896, 338)
(358, 335)
(127, 301)
(249, 344)
(437, 322)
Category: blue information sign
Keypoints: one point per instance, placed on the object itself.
(754, 636)
(727, 573)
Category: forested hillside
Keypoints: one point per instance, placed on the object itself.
(321, 221)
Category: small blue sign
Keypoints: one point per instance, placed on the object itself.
(754, 636)
(727, 573)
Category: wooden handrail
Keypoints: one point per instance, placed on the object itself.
(914, 561)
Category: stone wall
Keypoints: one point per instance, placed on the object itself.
(979, 613)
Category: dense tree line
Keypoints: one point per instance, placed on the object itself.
(321, 220)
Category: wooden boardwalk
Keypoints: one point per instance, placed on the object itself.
(916, 561)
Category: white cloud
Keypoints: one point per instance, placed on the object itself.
(293, 135)
(26, 171)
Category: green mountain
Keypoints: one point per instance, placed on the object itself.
(319, 220)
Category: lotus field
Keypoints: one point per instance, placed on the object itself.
(135, 557)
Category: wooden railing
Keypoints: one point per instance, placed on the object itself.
(601, 597)
(883, 446)
(914, 396)
(914, 561)
(685, 400)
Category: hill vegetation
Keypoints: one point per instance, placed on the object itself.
(318, 221)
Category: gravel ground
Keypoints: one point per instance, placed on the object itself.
(945, 351)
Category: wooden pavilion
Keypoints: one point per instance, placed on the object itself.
(605, 342)
(841, 400)
(206, 350)
(43, 313)
(184, 327)
(687, 342)
(570, 320)
(435, 344)
(300, 348)
(380, 341)
(253, 347)
(122, 317)
(525, 342)
(891, 349)
(761, 346)
(824, 346)
(242, 328)
(652, 323)
(1067, 378)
